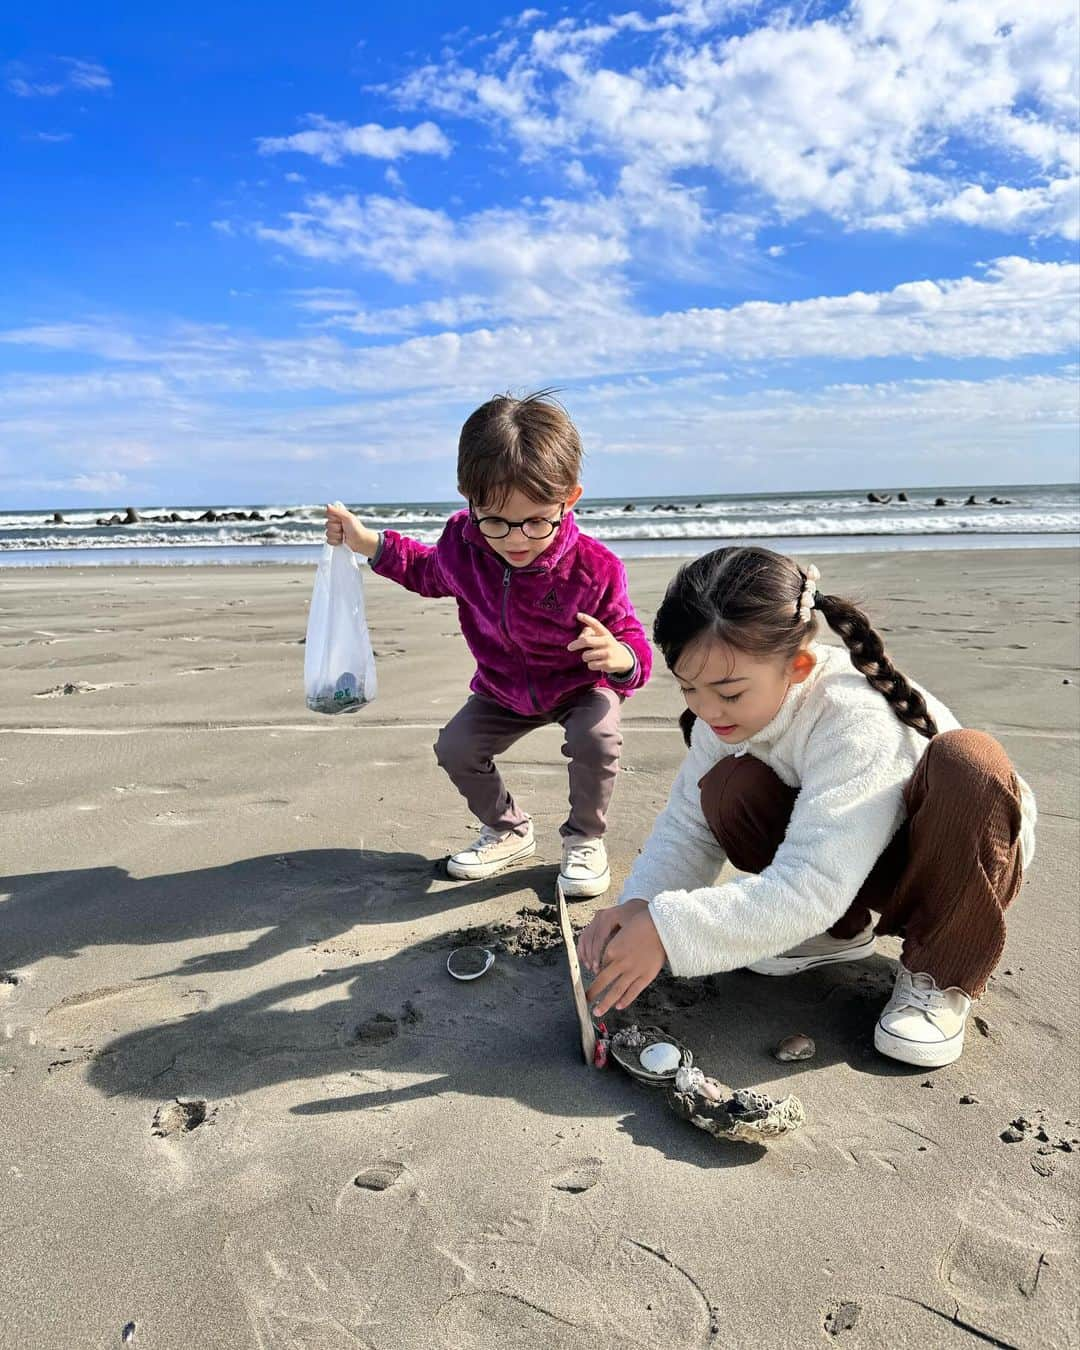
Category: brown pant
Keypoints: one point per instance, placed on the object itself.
(483, 729)
(945, 880)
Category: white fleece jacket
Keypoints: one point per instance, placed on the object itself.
(838, 741)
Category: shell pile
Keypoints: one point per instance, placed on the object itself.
(742, 1114)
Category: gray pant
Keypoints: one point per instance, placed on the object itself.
(483, 729)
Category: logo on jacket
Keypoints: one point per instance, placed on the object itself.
(550, 601)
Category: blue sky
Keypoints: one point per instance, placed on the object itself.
(279, 253)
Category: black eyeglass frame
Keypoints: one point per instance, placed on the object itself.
(511, 525)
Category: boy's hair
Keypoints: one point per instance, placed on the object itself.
(749, 598)
(528, 444)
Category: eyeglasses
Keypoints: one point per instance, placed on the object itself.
(495, 527)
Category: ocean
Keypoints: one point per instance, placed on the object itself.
(802, 522)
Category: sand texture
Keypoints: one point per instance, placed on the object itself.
(242, 1103)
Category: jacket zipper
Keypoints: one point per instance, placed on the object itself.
(521, 653)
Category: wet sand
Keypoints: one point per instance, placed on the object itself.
(213, 895)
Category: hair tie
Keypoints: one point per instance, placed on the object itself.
(804, 606)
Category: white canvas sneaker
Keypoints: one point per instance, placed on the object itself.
(922, 1024)
(490, 853)
(584, 872)
(818, 951)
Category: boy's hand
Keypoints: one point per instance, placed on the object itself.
(601, 650)
(630, 961)
(342, 527)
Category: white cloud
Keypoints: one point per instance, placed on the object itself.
(50, 137)
(555, 257)
(1016, 308)
(867, 116)
(332, 142)
(106, 484)
(87, 76)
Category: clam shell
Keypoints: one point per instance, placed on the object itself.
(795, 1047)
(660, 1057)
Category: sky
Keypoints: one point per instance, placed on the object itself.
(277, 253)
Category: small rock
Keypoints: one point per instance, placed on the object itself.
(842, 1318)
(928, 1083)
(1012, 1135)
(128, 1333)
(1043, 1166)
(795, 1048)
(968, 1099)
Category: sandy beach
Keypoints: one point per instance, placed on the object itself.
(210, 894)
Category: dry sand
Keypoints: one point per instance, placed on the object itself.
(212, 895)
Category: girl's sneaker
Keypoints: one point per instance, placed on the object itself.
(584, 872)
(922, 1024)
(818, 951)
(491, 852)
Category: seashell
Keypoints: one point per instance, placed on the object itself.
(469, 963)
(794, 1048)
(660, 1057)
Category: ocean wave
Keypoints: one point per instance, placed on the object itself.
(936, 522)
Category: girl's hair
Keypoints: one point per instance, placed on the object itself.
(528, 444)
(749, 598)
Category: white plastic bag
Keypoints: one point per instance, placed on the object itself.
(339, 665)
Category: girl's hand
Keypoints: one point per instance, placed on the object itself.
(632, 959)
(342, 527)
(601, 650)
(594, 937)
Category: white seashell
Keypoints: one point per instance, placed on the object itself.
(661, 1057)
(794, 1048)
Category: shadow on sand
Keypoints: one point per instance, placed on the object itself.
(349, 1024)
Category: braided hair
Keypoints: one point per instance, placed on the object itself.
(749, 598)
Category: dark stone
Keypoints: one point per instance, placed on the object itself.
(58, 519)
(971, 501)
(208, 515)
(842, 1317)
(131, 516)
(901, 496)
(941, 502)
(256, 515)
(630, 507)
(879, 499)
(968, 1100)
(1012, 1135)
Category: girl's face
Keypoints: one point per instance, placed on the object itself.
(735, 693)
(516, 548)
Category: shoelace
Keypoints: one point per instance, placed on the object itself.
(488, 837)
(581, 855)
(924, 995)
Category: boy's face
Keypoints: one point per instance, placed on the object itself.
(516, 548)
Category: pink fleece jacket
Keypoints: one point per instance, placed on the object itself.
(518, 621)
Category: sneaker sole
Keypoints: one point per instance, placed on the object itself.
(574, 888)
(779, 965)
(478, 871)
(920, 1053)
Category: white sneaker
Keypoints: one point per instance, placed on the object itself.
(491, 852)
(584, 872)
(922, 1024)
(818, 951)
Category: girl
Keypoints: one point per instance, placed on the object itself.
(839, 790)
(545, 612)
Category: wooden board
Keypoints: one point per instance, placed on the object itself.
(581, 1006)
